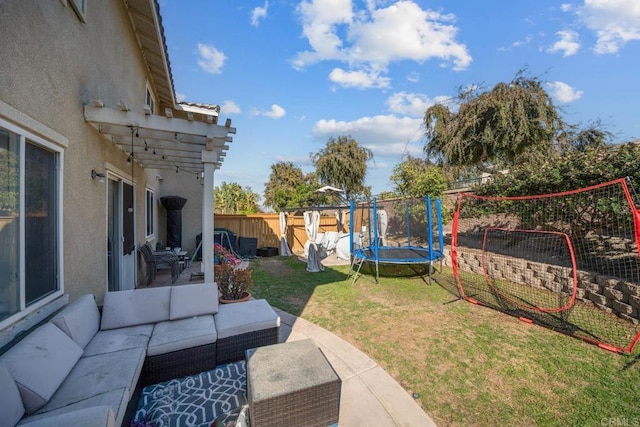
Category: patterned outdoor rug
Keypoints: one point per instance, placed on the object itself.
(217, 396)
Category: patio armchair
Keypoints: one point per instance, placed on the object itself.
(156, 260)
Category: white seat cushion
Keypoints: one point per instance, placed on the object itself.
(135, 307)
(99, 374)
(80, 320)
(119, 339)
(116, 400)
(177, 335)
(40, 362)
(95, 416)
(193, 300)
(11, 406)
(242, 317)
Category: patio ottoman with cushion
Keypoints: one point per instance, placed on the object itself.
(242, 326)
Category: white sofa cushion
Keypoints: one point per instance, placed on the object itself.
(180, 334)
(95, 416)
(11, 406)
(119, 339)
(242, 317)
(116, 399)
(96, 375)
(40, 362)
(135, 307)
(80, 320)
(193, 300)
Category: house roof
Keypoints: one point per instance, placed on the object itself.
(176, 139)
(147, 24)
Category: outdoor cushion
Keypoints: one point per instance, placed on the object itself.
(99, 374)
(116, 399)
(177, 335)
(80, 320)
(242, 317)
(95, 416)
(119, 339)
(40, 362)
(193, 300)
(135, 307)
(11, 406)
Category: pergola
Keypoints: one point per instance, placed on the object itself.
(181, 137)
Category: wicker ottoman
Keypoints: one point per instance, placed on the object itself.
(292, 384)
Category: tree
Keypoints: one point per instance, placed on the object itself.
(231, 198)
(342, 163)
(577, 168)
(513, 122)
(415, 177)
(289, 187)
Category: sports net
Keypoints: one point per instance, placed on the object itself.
(568, 261)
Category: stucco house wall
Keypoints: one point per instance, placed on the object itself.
(52, 64)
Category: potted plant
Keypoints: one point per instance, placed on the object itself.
(233, 283)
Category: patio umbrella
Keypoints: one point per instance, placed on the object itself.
(383, 221)
(311, 224)
(284, 246)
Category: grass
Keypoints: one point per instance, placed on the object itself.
(469, 364)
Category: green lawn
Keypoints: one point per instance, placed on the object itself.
(469, 364)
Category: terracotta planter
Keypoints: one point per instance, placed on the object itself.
(246, 297)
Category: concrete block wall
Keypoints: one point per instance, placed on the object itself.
(610, 294)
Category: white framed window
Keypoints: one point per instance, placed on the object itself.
(80, 7)
(149, 101)
(149, 213)
(31, 268)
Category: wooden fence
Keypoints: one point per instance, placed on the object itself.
(266, 228)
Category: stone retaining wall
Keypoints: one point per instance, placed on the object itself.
(610, 294)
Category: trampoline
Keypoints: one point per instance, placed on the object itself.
(378, 253)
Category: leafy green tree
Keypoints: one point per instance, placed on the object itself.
(289, 187)
(512, 122)
(415, 177)
(232, 198)
(342, 163)
(284, 180)
(575, 169)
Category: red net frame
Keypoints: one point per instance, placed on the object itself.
(569, 261)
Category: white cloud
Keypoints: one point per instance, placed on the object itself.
(387, 136)
(528, 39)
(358, 79)
(563, 93)
(371, 38)
(413, 77)
(616, 22)
(275, 112)
(566, 7)
(568, 43)
(180, 97)
(211, 59)
(229, 107)
(259, 13)
(411, 104)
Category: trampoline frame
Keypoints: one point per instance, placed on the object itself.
(361, 255)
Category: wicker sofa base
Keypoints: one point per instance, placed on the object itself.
(232, 349)
(176, 364)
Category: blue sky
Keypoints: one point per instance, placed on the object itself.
(292, 74)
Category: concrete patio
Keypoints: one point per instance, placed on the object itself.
(370, 396)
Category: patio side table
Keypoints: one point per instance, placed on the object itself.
(292, 384)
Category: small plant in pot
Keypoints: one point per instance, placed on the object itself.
(233, 283)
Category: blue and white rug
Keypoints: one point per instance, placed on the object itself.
(212, 398)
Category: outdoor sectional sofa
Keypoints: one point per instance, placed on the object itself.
(87, 368)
